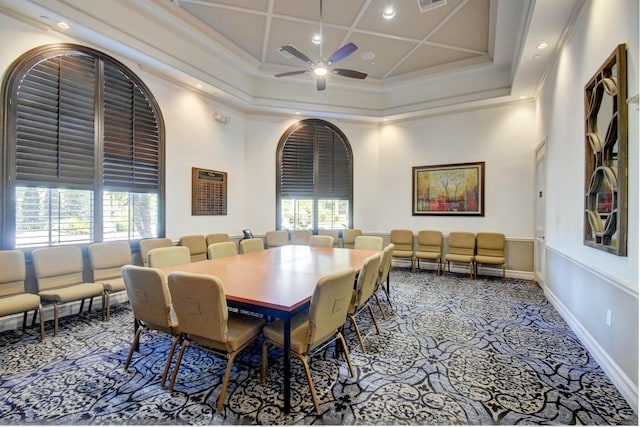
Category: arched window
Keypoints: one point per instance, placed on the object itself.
(83, 151)
(314, 177)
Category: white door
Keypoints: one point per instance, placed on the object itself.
(540, 194)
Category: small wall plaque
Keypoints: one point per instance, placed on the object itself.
(209, 192)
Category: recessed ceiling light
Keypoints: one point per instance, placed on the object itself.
(543, 45)
(537, 56)
(368, 56)
(389, 12)
(524, 97)
(63, 25)
(316, 39)
(297, 113)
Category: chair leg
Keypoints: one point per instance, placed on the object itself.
(384, 316)
(176, 368)
(413, 265)
(225, 381)
(263, 370)
(375, 322)
(134, 345)
(24, 322)
(41, 313)
(106, 310)
(55, 318)
(172, 349)
(307, 372)
(355, 325)
(346, 353)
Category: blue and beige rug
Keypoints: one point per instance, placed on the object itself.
(455, 352)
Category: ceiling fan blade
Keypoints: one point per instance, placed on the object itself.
(342, 53)
(291, 73)
(321, 83)
(349, 73)
(295, 52)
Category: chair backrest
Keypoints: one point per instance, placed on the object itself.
(149, 296)
(197, 245)
(221, 249)
(13, 272)
(367, 278)
(217, 238)
(333, 233)
(461, 243)
(349, 237)
(300, 237)
(373, 243)
(277, 238)
(385, 263)
(329, 305)
(107, 258)
(429, 241)
(57, 266)
(200, 305)
(147, 244)
(251, 245)
(402, 239)
(321, 241)
(168, 257)
(490, 244)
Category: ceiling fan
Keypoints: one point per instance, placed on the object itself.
(322, 67)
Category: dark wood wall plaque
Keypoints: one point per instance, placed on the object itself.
(209, 192)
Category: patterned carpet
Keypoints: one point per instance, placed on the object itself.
(455, 352)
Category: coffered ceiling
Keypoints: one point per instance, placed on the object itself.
(456, 54)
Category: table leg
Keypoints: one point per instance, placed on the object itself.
(287, 364)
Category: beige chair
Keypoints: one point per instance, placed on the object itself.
(152, 309)
(276, 238)
(383, 277)
(221, 249)
(206, 323)
(321, 241)
(217, 238)
(429, 247)
(365, 287)
(251, 245)
(461, 248)
(349, 237)
(490, 250)
(403, 241)
(313, 329)
(168, 257)
(58, 271)
(300, 237)
(13, 297)
(333, 233)
(197, 245)
(147, 244)
(106, 260)
(372, 243)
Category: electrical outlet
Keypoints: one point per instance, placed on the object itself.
(608, 321)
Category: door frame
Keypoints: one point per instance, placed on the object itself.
(539, 245)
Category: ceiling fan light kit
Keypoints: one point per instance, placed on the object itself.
(320, 67)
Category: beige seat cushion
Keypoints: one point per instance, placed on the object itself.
(18, 303)
(458, 258)
(72, 292)
(299, 332)
(113, 285)
(240, 329)
(483, 259)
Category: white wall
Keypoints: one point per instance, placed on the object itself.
(584, 282)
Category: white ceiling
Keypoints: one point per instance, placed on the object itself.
(459, 55)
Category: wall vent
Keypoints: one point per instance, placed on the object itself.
(426, 5)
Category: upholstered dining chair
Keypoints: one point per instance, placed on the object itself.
(13, 296)
(490, 250)
(168, 257)
(276, 238)
(429, 247)
(106, 260)
(349, 237)
(333, 233)
(316, 328)
(383, 282)
(461, 249)
(321, 241)
(147, 244)
(150, 300)
(364, 289)
(206, 322)
(197, 245)
(221, 249)
(300, 237)
(59, 278)
(372, 243)
(403, 241)
(251, 245)
(217, 238)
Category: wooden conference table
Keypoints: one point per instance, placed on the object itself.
(277, 282)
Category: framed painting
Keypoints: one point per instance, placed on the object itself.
(453, 189)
